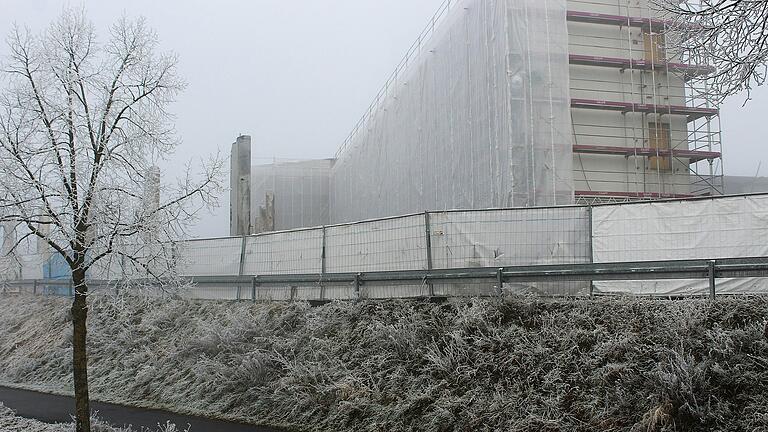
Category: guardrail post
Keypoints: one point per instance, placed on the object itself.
(711, 274)
(428, 238)
(322, 268)
(357, 285)
(34, 287)
(500, 281)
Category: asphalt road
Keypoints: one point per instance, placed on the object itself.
(55, 409)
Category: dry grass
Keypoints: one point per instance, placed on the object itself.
(520, 365)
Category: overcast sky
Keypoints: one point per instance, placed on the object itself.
(297, 74)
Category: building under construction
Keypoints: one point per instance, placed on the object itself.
(508, 103)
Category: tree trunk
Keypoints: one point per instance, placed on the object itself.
(79, 353)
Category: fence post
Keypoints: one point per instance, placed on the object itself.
(242, 265)
(711, 274)
(428, 238)
(34, 287)
(254, 282)
(590, 249)
(500, 281)
(71, 288)
(322, 268)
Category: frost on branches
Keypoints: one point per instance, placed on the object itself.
(83, 128)
(729, 35)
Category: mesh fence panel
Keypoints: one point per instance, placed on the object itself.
(289, 252)
(518, 237)
(211, 257)
(381, 245)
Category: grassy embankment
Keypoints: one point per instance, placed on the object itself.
(520, 365)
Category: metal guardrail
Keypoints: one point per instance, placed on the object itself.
(711, 270)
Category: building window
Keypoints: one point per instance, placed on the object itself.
(654, 45)
(659, 137)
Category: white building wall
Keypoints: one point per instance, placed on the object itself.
(612, 173)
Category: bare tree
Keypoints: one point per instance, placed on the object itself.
(82, 126)
(729, 35)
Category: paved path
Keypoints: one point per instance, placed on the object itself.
(52, 409)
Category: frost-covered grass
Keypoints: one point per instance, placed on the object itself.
(521, 365)
(10, 422)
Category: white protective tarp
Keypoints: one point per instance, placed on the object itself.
(300, 190)
(479, 119)
(730, 227)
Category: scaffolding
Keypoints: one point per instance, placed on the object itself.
(643, 127)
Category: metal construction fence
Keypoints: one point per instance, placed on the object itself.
(668, 248)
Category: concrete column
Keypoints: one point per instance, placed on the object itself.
(151, 202)
(9, 265)
(9, 237)
(240, 187)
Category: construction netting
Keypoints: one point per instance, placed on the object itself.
(298, 190)
(476, 116)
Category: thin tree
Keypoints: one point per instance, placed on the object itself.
(729, 35)
(82, 126)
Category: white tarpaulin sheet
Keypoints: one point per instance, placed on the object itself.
(729, 227)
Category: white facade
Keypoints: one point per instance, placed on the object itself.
(665, 139)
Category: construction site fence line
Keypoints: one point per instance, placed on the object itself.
(322, 262)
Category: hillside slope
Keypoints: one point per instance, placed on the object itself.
(521, 365)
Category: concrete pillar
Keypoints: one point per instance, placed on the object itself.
(240, 187)
(9, 265)
(9, 237)
(151, 202)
